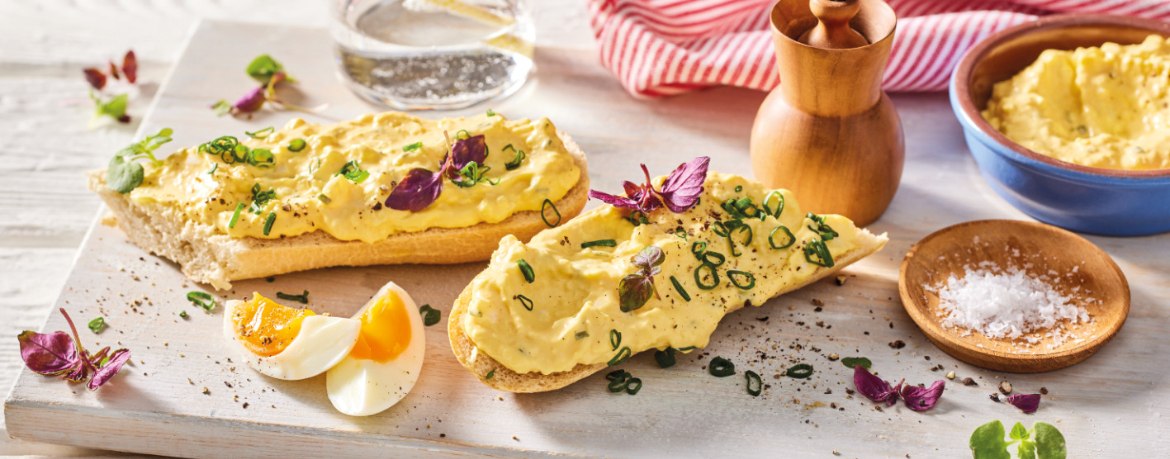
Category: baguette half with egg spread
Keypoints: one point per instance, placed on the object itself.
(574, 300)
(385, 188)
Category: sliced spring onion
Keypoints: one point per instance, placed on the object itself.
(681, 233)
(412, 147)
(430, 315)
(620, 358)
(665, 358)
(635, 385)
(779, 204)
(619, 380)
(201, 299)
(582, 334)
(753, 379)
(721, 367)
(679, 288)
(799, 371)
(698, 248)
(183, 314)
(302, 298)
(524, 301)
(261, 133)
(236, 215)
(787, 233)
(517, 160)
(731, 275)
(731, 237)
(96, 325)
(714, 277)
(548, 203)
(718, 257)
(615, 339)
(738, 188)
(213, 169)
(324, 199)
(599, 243)
(686, 349)
(297, 145)
(526, 270)
(462, 134)
(817, 253)
(268, 222)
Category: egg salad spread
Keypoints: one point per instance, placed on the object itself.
(334, 178)
(1106, 107)
(561, 306)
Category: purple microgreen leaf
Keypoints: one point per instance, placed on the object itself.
(682, 188)
(616, 201)
(252, 101)
(466, 151)
(108, 368)
(874, 387)
(114, 71)
(95, 77)
(923, 398)
(418, 190)
(130, 67)
(48, 354)
(649, 257)
(634, 291)
(1028, 403)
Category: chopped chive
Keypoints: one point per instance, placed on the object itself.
(582, 334)
(325, 199)
(236, 215)
(261, 133)
(619, 381)
(183, 314)
(462, 134)
(599, 243)
(352, 170)
(686, 349)
(820, 251)
(490, 374)
(620, 357)
(720, 367)
(665, 358)
(302, 298)
(268, 222)
(682, 233)
(698, 248)
(699, 277)
(515, 162)
(708, 256)
(297, 145)
(731, 240)
(548, 203)
(524, 301)
(96, 325)
(751, 279)
(526, 270)
(201, 299)
(738, 188)
(615, 339)
(679, 288)
(799, 371)
(787, 233)
(270, 279)
(412, 147)
(779, 204)
(213, 169)
(754, 379)
(430, 315)
(634, 385)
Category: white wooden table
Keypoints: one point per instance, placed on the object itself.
(45, 145)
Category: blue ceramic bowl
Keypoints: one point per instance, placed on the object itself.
(1079, 198)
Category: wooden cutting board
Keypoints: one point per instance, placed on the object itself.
(1109, 405)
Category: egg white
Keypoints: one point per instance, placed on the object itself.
(321, 343)
(360, 387)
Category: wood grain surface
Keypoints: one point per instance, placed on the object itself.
(1111, 405)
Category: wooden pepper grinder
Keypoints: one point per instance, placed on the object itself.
(828, 132)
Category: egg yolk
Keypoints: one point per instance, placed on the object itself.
(266, 328)
(385, 330)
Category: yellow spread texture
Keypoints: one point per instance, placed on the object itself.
(311, 196)
(1104, 107)
(575, 291)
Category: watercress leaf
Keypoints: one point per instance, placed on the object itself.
(684, 185)
(987, 442)
(114, 108)
(1049, 441)
(1019, 432)
(1027, 403)
(857, 361)
(649, 257)
(263, 67)
(923, 398)
(109, 368)
(874, 387)
(95, 77)
(123, 174)
(634, 291)
(48, 353)
(1026, 450)
(419, 189)
(130, 67)
(252, 101)
(152, 142)
(221, 108)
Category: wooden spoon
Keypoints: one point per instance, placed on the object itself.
(1084, 273)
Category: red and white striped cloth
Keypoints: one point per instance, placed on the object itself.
(665, 47)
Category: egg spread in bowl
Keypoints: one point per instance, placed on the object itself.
(1105, 107)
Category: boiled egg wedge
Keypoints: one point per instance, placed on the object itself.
(384, 365)
(288, 343)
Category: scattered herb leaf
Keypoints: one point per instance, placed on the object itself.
(124, 173)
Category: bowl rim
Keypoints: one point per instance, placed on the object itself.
(961, 90)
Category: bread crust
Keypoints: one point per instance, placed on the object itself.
(480, 364)
(209, 257)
